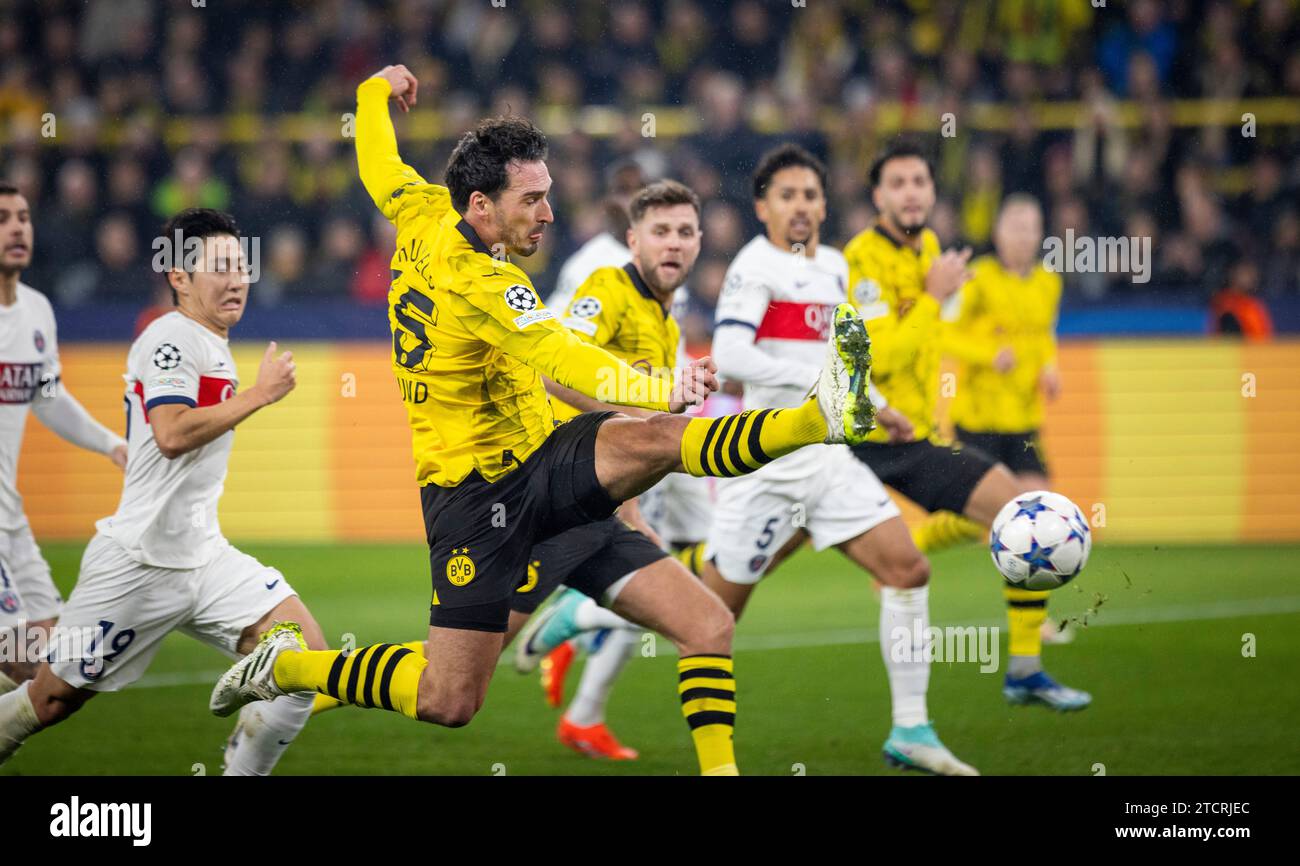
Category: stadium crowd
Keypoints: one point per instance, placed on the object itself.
(91, 94)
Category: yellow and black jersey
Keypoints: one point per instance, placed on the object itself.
(1001, 308)
(470, 333)
(904, 322)
(615, 309)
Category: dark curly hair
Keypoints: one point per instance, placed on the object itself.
(483, 154)
(785, 156)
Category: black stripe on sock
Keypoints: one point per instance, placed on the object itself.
(755, 448)
(336, 671)
(710, 717)
(1027, 602)
(704, 449)
(724, 437)
(354, 673)
(733, 447)
(386, 680)
(371, 669)
(697, 693)
(711, 673)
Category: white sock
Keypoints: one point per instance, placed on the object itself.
(589, 615)
(602, 668)
(17, 720)
(266, 728)
(6, 685)
(904, 618)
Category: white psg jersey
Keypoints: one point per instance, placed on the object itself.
(29, 362)
(168, 513)
(789, 300)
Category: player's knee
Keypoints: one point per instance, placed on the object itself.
(907, 573)
(661, 439)
(453, 712)
(715, 631)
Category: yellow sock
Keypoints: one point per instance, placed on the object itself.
(1026, 610)
(325, 703)
(945, 529)
(707, 688)
(738, 444)
(383, 675)
(691, 556)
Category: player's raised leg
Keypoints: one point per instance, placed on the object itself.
(632, 454)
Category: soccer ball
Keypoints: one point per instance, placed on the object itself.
(1040, 540)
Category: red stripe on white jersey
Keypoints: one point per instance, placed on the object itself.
(788, 320)
(213, 390)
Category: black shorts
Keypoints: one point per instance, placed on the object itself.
(1021, 452)
(481, 535)
(935, 477)
(587, 558)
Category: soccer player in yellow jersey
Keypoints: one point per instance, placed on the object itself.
(1005, 342)
(471, 341)
(626, 310)
(907, 291)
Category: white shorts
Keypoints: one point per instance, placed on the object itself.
(129, 608)
(27, 592)
(756, 514)
(678, 508)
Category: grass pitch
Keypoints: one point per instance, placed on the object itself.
(1190, 654)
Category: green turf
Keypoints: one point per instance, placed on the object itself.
(1162, 656)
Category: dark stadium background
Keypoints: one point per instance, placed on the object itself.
(1123, 120)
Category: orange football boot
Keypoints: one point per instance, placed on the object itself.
(594, 741)
(554, 669)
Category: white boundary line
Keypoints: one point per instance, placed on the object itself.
(837, 637)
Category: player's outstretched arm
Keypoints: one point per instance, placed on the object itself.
(179, 429)
(381, 167)
(583, 403)
(538, 340)
(63, 414)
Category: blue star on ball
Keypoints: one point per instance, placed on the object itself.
(1030, 507)
(1037, 557)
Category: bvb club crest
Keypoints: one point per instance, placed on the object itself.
(460, 568)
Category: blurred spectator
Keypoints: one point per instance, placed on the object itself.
(190, 185)
(373, 276)
(726, 141)
(118, 114)
(1235, 310)
(284, 267)
(1282, 266)
(335, 268)
(121, 274)
(1145, 32)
